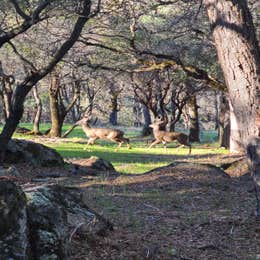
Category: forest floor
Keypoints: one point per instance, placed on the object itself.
(188, 210)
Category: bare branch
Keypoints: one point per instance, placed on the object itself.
(20, 11)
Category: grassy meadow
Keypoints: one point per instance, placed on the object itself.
(138, 159)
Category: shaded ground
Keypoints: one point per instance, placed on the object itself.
(183, 211)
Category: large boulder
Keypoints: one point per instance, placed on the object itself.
(13, 218)
(19, 151)
(39, 222)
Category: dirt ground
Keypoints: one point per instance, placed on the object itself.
(187, 210)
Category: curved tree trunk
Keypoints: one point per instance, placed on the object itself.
(37, 118)
(194, 135)
(239, 57)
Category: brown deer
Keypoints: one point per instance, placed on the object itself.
(94, 134)
(168, 137)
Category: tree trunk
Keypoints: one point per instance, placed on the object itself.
(224, 122)
(7, 96)
(239, 57)
(114, 110)
(55, 130)
(137, 111)
(172, 117)
(216, 105)
(147, 121)
(55, 109)
(37, 118)
(6, 91)
(194, 135)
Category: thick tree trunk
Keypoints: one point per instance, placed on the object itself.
(239, 57)
(55, 130)
(194, 135)
(147, 121)
(224, 122)
(114, 110)
(55, 109)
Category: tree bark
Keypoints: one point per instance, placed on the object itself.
(56, 114)
(224, 122)
(239, 57)
(114, 110)
(37, 118)
(137, 111)
(147, 121)
(194, 135)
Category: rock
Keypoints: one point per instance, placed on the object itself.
(97, 164)
(13, 218)
(39, 222)
(9, 172)
(53, 212)
(36, 154)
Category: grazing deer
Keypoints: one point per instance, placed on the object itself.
(94, 134)
(168, 137)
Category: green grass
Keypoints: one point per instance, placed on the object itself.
(136, 160)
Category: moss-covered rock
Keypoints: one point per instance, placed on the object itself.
(13, 219)
(37, 223)
(33, 153)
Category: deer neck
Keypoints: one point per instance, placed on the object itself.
(86, 127)
(156, 131)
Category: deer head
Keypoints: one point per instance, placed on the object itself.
(159, 122)
(84, 120)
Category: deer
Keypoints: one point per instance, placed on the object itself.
(168, 137)
(94, 134)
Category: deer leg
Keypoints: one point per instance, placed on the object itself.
(189, 149)
(126, 140)
(91, 140)
(119, 145)
(164, 146)
(180, 146)
(154, 143)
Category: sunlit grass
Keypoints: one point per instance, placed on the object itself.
(136, 160)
